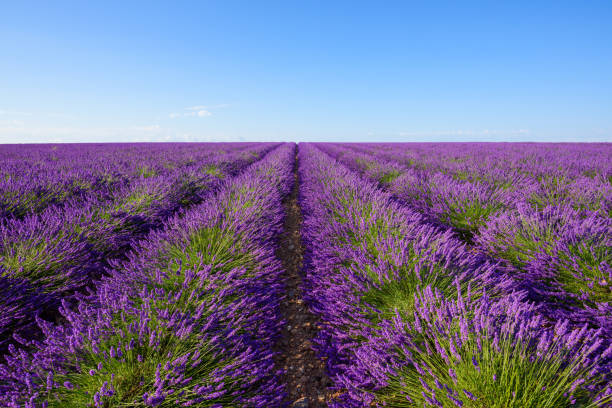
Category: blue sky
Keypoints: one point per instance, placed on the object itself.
(305, 71)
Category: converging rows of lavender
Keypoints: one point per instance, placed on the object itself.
(441, 275)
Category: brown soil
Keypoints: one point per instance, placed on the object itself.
(305, 377)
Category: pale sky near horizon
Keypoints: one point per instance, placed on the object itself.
(307, 71)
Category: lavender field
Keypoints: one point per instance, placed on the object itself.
(474, 275)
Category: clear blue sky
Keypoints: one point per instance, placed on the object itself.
(288, 70)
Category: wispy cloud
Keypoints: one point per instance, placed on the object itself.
(201, 114)
(22, 133)
(52, 115)
(200, 111)
(148, 128)
(11, 122)
(468, 133)
(206, 107)
(57, 115)
(7, 112)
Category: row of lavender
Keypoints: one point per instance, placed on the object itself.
(49, 257)
(56, 174)
(188, 319)
(542, 210)
(413, 316)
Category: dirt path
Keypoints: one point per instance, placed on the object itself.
(305, 374)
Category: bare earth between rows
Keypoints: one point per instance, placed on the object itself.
(305, 377)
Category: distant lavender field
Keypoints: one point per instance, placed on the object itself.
(440, 274)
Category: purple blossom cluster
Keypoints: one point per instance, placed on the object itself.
(442, 275)
(415, 314)
(186, 317)
(62, 249)
(544, 211)
(33, 177)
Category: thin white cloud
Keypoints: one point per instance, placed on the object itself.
(467, 132)
(11, 122)
(149, 128)
(22, 133)
(54, 115)
(175, 115)
(206, 107)
(6, 112)
(201, 114)
(200, 111)
(12, 133)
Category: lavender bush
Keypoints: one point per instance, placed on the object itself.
(442, 275)
(397, 289)
(188, 319)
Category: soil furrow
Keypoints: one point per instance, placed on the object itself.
(306, 380)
